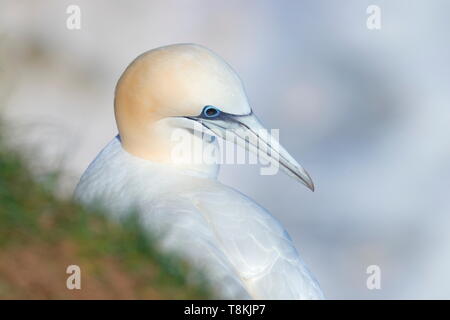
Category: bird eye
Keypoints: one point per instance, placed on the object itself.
(210, 111)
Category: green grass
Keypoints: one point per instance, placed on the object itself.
(35, 223)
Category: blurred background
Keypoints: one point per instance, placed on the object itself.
(366, 112)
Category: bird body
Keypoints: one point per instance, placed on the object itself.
(242, 249)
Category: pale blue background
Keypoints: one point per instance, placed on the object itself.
(366, 112)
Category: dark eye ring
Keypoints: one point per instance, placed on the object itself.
(210, 112)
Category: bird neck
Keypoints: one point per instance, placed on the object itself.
(165, 142)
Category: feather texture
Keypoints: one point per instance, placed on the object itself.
(243, 250)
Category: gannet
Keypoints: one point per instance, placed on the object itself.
(242, 249)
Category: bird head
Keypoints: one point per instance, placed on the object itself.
(176, 86)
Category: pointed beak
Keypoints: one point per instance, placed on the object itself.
(249, 133)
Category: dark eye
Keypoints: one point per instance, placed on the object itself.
(210, 112)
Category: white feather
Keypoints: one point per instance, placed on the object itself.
(242, 248)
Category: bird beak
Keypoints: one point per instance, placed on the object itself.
(249, 133)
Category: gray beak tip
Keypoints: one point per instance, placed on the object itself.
(309, 183)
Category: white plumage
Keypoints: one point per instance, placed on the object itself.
(242, 248)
